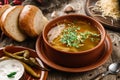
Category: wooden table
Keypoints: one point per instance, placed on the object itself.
(79, 9)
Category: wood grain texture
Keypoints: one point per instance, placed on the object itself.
(79, 9)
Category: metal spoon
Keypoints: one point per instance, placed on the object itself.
(113, 68)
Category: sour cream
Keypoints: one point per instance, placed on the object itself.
(9, 66)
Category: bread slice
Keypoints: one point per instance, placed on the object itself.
(32, 21)
(2, 10)
(10, 23)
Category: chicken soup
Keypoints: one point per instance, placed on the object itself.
(73, 35)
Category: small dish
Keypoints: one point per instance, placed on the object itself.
(113, 25)
(26, 76)
(103, 58)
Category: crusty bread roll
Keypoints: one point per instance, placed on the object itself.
(10, 23)
(2, 10)
(31, 20)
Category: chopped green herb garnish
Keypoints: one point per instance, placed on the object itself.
(11, 75)
(72, 37)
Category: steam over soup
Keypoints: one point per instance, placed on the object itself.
(73, 35)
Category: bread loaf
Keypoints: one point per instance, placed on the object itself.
(31, 20)
(9, 21)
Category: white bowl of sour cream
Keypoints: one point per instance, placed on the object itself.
(11, 69)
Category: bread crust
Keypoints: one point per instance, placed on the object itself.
(2, 10)
(26, 20)
(4, 19)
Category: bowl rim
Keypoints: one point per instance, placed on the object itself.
(100, 29)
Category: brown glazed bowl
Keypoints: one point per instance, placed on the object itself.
(74, 59)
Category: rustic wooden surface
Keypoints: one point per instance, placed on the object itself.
(58, 6)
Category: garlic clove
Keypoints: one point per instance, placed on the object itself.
(69, 8)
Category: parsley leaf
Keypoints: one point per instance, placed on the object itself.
(72, 37)
(11, 75)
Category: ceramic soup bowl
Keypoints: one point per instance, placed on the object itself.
(73, 40)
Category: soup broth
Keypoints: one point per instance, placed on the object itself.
(73, 35)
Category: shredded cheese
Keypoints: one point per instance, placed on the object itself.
(108, 8)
